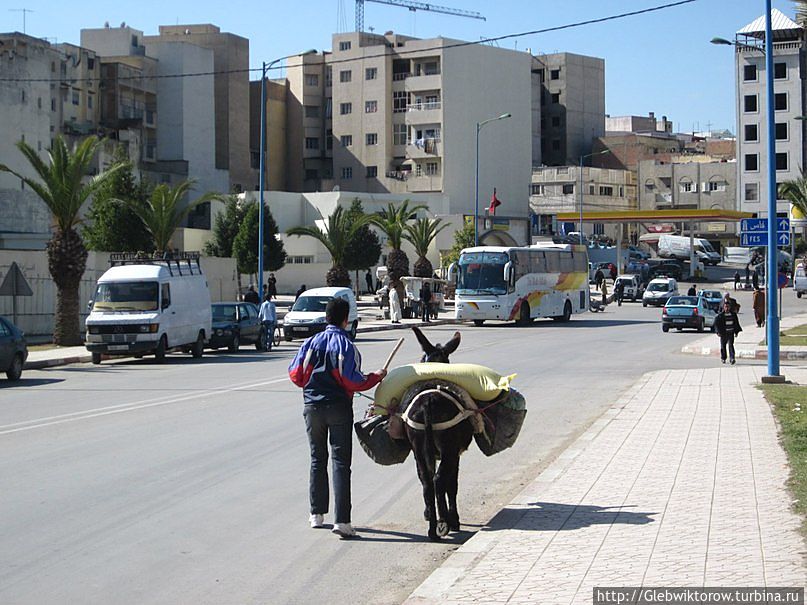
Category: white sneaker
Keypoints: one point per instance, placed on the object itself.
(344, 530)
(316, 521)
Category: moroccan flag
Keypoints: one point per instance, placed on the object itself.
(494, 202)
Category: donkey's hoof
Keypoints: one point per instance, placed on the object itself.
(442, 528)
(433, 536)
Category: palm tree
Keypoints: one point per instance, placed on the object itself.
(801, 12)
(392, 222)
(163, 212)
(421, 234)
(339, 230)
(795, 192)
(60, 186)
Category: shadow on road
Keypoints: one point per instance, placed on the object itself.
(369, 534)
(554, 516)
(24, 382)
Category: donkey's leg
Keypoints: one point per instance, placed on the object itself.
(440, 484)
(451, 464)
(426, 476)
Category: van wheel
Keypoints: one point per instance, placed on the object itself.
(665, 328)
(701, 326)
(15, 371)
(260, 344)
(644, 304)
(160, 351)
(479, 322)
(198, 348)
(353, 330)
(96, 358)
(524, 318)
(798, 294)
(235, 344)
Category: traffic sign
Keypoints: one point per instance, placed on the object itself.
(760, 225)
(752, 240)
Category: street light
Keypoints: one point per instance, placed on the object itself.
(582, 157)
(264, 68)
(479, 126)
(772, 323)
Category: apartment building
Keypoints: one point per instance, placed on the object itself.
(572, 105)
(648, 123)
(789, 86)
(395, 114)
(277, 170)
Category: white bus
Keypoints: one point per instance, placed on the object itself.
(544, 280)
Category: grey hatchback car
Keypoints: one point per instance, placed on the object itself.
(13, 349)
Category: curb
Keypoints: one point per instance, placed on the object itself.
(62, 361)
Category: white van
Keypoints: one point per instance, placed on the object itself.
(307, 315)
(677, 247)
(145, 306)
(800, 280)
(659, 291)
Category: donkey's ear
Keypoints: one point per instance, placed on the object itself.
(427, 347)
(452, 344)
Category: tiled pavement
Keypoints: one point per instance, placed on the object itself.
(680, 483)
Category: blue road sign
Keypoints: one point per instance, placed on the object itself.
(752, 240)
(783, 238)
(760, 225)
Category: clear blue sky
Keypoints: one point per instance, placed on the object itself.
(661, 62)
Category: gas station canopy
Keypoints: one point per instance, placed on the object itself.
(655, 216)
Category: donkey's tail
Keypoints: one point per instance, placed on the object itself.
(431, 455)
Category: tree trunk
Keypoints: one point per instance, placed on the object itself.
(67, 260)
(66, 323)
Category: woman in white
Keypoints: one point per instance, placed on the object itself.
(394, 306)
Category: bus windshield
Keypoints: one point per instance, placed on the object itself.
(482, 273)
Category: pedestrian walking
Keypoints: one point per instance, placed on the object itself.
(619, 291)
(394, 306)
(736, 279)
(598, 278)
(328, 369)
(727, 327)
(300, 290)
(758, 303)
(368, 279)
(268, 316)
(425, 302)
(604, 290)
(755, 280)
(748, 274)
(693, 290)
(251, 296)
(271, 286)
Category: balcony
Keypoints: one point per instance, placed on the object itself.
(424, 82)
(423, 148)
(424, 183)
(424, 113)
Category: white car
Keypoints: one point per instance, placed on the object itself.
(631, 287)
(307, 315)
(800, 280)
(659, 291)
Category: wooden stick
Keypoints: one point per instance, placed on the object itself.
(395, 350)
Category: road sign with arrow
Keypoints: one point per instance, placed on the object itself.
(15, 285)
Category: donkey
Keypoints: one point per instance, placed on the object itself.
(427, 411)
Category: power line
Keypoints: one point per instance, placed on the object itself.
(459, 44)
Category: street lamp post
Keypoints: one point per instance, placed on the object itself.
(265, 67)
(479, 126)
(772, 319)
(582, 157)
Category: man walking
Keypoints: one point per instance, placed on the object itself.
(425, 302)
(368, 279)
(693, 290)
(727, 327)
(268, 317)
(328, 368)
(251, 296)
(619, 291)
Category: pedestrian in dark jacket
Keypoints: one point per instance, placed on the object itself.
(619, 292)
(758, 303)
(727, 327)
(300, 290)
(693, 291)
(755, 280)
(251, 296)
(271, 286)
(425, 302)
(736, 279)
(368, 279)
(328, 368)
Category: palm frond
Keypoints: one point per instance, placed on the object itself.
(422, 233)
(795, 192)
(392, 220)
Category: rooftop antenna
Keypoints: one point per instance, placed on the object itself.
(23, 11)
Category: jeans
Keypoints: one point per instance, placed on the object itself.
(332, 423)
(425, 311)
(269, 332)
(727, 339)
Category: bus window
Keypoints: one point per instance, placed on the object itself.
(552, 263)
(566, 264)
(580, 262)
(537, 262)
(521, 260)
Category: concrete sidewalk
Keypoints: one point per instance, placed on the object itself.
(680, 483)
(746, 344)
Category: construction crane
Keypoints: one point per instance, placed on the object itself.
(413, 6)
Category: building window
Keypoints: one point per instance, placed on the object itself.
(347, 173)
(555, 97)
(591, 189)
(399, 134)
(372, 172)
(89, 101)
(329, 76)
(345, 108)
(134, 40)
(311, 80)
(344, 45)
(536, 189)
(312, 111)
(717, 186)
(780, 71)
(300, 260)
(311, 174)
(649, 186)
(781, 131)
(554, 74)
(780, 101)
(750, 103)
(418, 169)
(312, 142)
(555, 121)
(567, 188)
(370, 106)
(781, 161)
(371, 73)
(686, 186)
(346, 140)
(345, 76)
(749, 73)
(75, 98)
(329, 139)
(606, 190)
(53, 104)
(555, 144)
(752, 192)
(751, 162)
(399, 101)
(751, 133)
(371, 138)
(328, 107)
(432, 169)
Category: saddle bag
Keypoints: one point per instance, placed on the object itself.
(375, 440)
(503, 422)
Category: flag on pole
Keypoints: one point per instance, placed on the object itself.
(494, 202)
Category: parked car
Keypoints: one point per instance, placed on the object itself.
(667, 268)
(307, 316)
(632, 287)
(13, 349)
(800, 280)
(714, 298)
(659, 290)
(635, 252)
(234, 324)
(607, 270)
(687, 312)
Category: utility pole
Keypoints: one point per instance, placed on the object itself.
(23, 11)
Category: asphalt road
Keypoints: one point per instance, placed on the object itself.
(186, 482)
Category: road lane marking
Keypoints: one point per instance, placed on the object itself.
(126, 407)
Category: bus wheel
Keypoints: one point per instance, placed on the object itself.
(478, 322)
(567, 313)
(524, 318)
